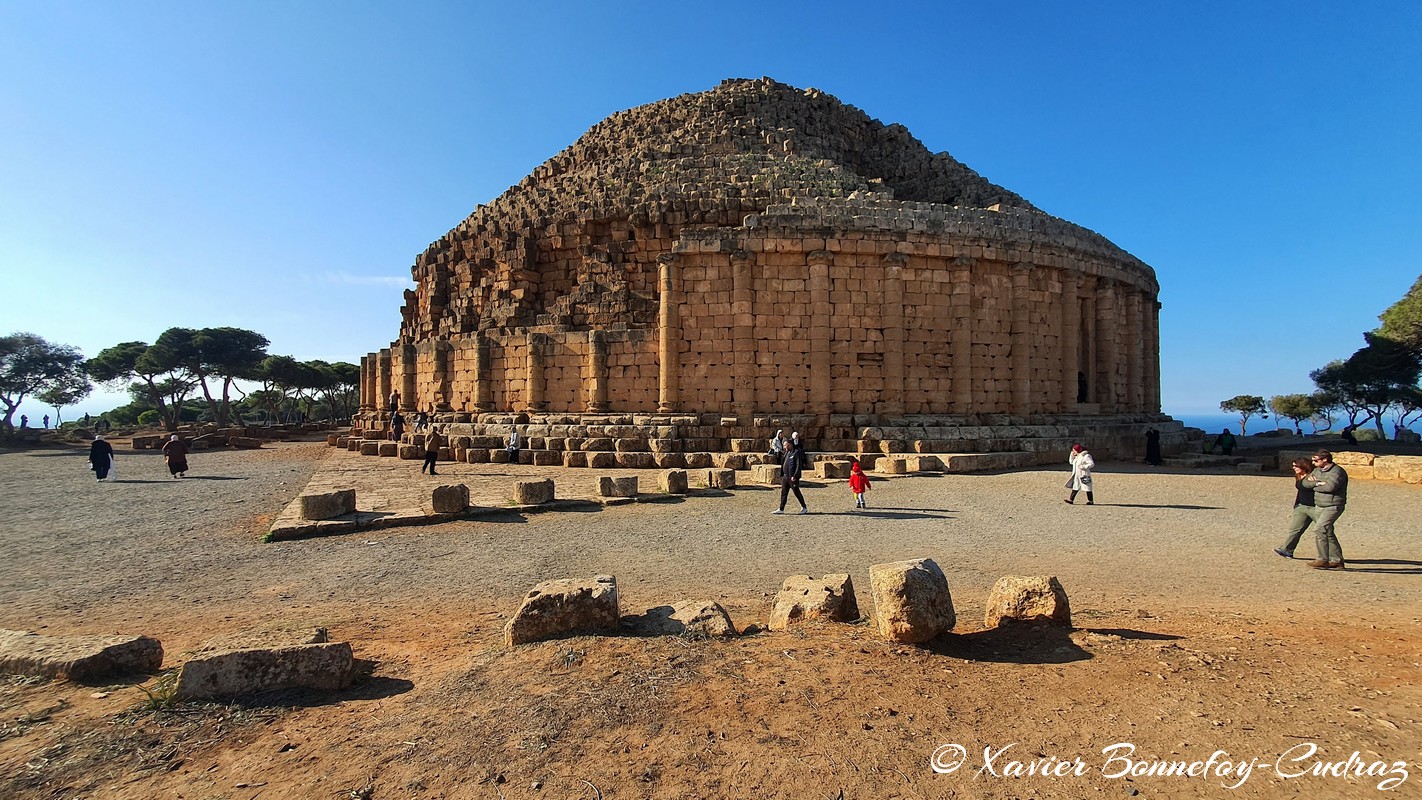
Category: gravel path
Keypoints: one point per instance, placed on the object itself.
(78, 553)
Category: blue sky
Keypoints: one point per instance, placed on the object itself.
(278, 165)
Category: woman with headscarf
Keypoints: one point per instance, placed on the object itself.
(175, 454)
(1081, 466)
(101, 458)
(777, 447)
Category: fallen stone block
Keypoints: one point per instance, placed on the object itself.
(333, 439)
(634, 460)
(892, 466)
(923, 463)
(832, 469)
(673, 481)
(575, 458)
(565, 607)
(147, 442)
(911, 600)
(370, 447)
(697, 618)
(389, 449)
(670, 460)
(450, 499)
(720, 479)
(698, 460)
(602, 460)
(270, 635)
(476, 455)
(328, 504)
(765, 473)
(409, 452)
(353, 444)
(547, 458)
(1037, 598)
(609, 486)
(78, 658)
(1397, 468)
(729, 460)
(247, 442)
(802, 597)
(597, 445)
(235, 673)
(532, 493)
(747, 445)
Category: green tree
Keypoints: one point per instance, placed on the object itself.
(29, 365)
(1402, 321)
(67, 392)
(1293, 407)
(166, 384)
(222, 355)
(1246, 406)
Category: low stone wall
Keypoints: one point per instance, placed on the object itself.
(1364, 466)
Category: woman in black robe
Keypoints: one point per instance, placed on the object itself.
(101, 457)
(1153, 448)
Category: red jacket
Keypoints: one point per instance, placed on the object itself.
(858, 481)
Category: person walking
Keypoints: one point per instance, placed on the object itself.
(175, 454)
(790, 470)
(859, 484)
(422, 421)
(433, 441)
(1153, 448)
(101, 458)
(46, 422)
(1330, 497)
(1224, 442)
(397, 427)
(1081, 466)
(24, 421)
(1304, 510)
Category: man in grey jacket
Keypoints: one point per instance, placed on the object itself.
(1330, 497)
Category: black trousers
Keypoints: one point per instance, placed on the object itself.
(430, 458)
(788, 485)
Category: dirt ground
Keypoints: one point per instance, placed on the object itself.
(1193, 643)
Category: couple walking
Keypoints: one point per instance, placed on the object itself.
(1321, 497)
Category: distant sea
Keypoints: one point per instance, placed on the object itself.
(1214, 423)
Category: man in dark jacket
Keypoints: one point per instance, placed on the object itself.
(790, 469)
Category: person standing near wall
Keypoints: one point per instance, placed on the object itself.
(790, 471)
(433, 441)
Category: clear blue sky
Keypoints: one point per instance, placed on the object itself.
(278, 165)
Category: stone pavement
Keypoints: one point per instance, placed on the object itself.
(393, 492)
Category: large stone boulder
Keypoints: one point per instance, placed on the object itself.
(802, 597)
(609, 486)
(698, 618)
(832, 469)
(533, 493)
(370, 447)
(389, 449)
(325, 667)
(672, 481)
(1036, 598)
(698, 460)
(892, 466)
(328, 504)
(565, 607)
(720, 478)
(450, 499)
(79, 658)
(1396, 468)
(766, 473)
(911, 600)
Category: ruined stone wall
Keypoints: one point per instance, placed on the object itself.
(851, 306)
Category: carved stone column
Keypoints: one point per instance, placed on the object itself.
(1153, 359)
(1108, 355)
(367, 383)
(596, 380)
(409, 375)
(1070, 339)
(891, 402)
(1091, 346)
(821, 329)
(535, 380)
(960, 306)
(743, 333)
(1021, 339)
(669, 346)
(1135, 344)
(382, 381)
(443, 373)
(483, 381)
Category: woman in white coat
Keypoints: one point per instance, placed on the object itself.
(1081, 465)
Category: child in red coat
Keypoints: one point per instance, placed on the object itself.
(859, 484)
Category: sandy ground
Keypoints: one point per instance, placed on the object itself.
(1191, 637)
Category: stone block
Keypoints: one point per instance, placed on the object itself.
(547, 458)
(802, 597)
(333, 439)
(409, 452)
(451, 499)
(892, 466)
(602, 460)
(575, 458)
(893, 446)
(698, 618)
(720, 478)
(328, 504)
(698, 460)
(353, 444)
(1037, 598)
(749, 445)
(1350, 458)
(498, 456)
(765, 474)
(245, 442)
(1396, 468)
(476, 455)
(660, 446)
(832, 469)
(609, 486)
(729, 460)
(323, 667)
(445, 454)
(77, 658)
(670, 460)
(923, 463)
(630, 445)
(672, 481)
(532, 493)
(389, 449)
(912, 603)
(370, 447)
(636, 460)
(560, 608)
(598, 445)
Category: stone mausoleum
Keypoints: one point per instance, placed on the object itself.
(706, 269)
